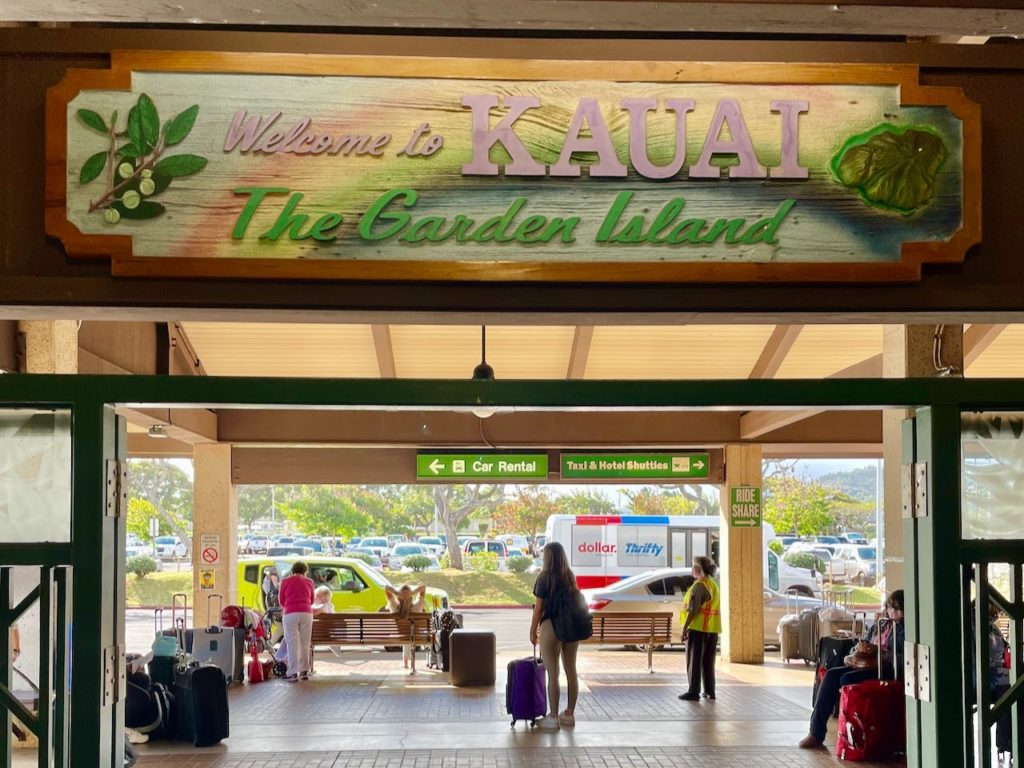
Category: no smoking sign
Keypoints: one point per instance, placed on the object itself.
(209, 549)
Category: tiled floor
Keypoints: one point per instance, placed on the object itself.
(364, 711)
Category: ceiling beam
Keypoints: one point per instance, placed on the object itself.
(142, 446)
(582, 337)
(977, 338)
(184, 360)
(189, 425)
(775, 351)
(385, 351)
(921, 18)
(755, 424)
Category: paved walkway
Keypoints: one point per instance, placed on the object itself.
(364, 711)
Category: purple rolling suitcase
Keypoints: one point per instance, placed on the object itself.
(526, 695)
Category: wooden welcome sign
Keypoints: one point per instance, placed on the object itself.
(292, 166)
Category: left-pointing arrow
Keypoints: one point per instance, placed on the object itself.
(436, 466)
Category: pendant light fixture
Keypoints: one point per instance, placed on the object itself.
(483, 372)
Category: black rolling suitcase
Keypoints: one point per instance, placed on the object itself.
(445, 622)
(831, 652)
(201, 696)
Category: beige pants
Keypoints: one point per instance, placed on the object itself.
(551, 649)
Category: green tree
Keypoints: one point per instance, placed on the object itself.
(140, 512)
(584, 503)
(526, 511)
(168, 489)
(331, 510)
(659, 501)
(455, 503)
(795, 505)
(255, 503)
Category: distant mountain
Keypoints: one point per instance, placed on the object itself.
(858, 483)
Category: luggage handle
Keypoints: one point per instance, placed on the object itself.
(895, 667)
(175, 606)
(209, 609)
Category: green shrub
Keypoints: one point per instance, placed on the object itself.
(484, 561)
(446, 559)
(361, 556)
(141, 566)
(776, 546)
(518, 563)
(417, 563)
(804, 560)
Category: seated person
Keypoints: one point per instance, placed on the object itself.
(322, 600)
(270, 587)
(403, 601)
(828, 693)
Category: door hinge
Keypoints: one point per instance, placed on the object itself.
(117, 488)
(917, 671)
(915, 490)
(115, 673)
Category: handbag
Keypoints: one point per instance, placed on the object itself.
(572, 621)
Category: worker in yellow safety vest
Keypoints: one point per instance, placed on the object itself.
(702, 624)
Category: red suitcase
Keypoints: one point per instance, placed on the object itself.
(873, 717)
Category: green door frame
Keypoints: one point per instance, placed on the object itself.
(936, 728)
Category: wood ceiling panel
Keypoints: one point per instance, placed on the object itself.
(1004, 357)
(821, 350)
(453, 351)
(285, 349)
(676, 352)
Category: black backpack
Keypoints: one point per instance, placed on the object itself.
(572, 621)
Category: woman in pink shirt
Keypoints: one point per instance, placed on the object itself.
(296, 597)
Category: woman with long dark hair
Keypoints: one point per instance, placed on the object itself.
(554, 586)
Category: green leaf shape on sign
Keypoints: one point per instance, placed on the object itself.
(92, 119)
(93, 167)
(129, 150)
(181, 126)
(147, 209)
(180, 165)
(892, 167)
(135, 130)
(161, 181)
(150, 119)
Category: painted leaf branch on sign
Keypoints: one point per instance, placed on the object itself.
(892, 167)
(137, 169)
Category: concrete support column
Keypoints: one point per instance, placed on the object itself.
(908, 351)
(51, 346)
(742, 555)
(215, 514)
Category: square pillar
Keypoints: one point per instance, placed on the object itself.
(742, 559)
(51, 346)
(908, 351)
(214, 528)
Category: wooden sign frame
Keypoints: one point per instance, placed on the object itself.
(123, 262)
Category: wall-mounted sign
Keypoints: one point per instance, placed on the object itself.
(636, 465)
(283, 166)
(745, 506)
(477, 466)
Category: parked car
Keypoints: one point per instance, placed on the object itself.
(663, 590)
(515, 543)
(855, 538)
(824, 539)
(375, 563)
(170, 546)
(855, 564)
(316, 546)
(435, 565)
(379, 546)
(355, 586)
(395, 538)
(787, 540)
(473, 546)
(401, 551)
(432, 543)
(283, 550)
(258, 545)
(354, 541)
(538, 544)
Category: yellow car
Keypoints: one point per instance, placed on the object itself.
(355, 586)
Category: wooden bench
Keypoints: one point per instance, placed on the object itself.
(627, 628)
(383, 629)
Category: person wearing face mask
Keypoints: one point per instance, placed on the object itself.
(859, 667)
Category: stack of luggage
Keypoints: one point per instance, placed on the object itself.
(445, 622)
(184, 698)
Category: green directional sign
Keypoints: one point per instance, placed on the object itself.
(648, 465)
(745, 506)
(486, 466)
